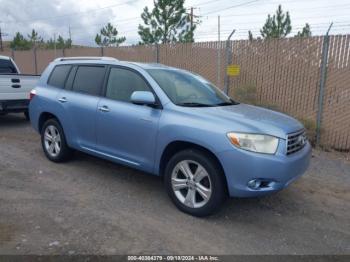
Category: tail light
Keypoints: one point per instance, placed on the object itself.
(32, 94)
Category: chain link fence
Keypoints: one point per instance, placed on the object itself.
(283, 74)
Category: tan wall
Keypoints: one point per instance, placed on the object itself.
(285, 72)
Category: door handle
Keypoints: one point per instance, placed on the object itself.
(16, 86)
(62, 99)
(103, 108)
(15, 80)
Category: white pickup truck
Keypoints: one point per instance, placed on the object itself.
(14, 87)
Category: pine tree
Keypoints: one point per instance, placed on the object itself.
(109, 36)
(277, 26)
(19, 42)
(60, 43)
(168, 22)
(35, 39)
(305, 32)
(68, 43)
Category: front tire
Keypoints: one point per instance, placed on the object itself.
(195, 182)
(54, 142)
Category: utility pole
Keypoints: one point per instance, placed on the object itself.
(2, 34)
(70, 41)
(70, 33)
(192, 16)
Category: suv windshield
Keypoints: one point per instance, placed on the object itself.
(186, 89)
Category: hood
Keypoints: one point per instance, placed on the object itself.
(247, 118)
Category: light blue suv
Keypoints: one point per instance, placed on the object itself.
(167, 122)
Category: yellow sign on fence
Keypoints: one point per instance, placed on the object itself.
(233, 70)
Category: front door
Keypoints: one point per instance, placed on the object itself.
(125, 131)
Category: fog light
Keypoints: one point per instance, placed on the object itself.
(254, 184)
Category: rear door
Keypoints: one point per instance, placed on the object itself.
(79, 101)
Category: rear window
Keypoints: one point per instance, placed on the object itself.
(89, 79)
(59, 75)
(7, 67)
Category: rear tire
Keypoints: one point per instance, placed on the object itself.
(195, 182)
(54, 142)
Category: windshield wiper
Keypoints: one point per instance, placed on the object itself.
(227, 103)
(193, 104)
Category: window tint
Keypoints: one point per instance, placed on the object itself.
(89, 79)
(122, 83)
(7, 67)
(59, 75)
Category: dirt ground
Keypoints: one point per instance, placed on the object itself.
(91, 206)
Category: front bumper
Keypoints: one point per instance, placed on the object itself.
(13, 106)
(280, 170)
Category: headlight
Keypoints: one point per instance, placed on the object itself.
(252, 142)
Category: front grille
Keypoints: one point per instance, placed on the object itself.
(296, 141)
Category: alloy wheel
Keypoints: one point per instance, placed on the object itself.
(52, 141)
(191, 184)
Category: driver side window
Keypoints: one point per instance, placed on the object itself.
(122, 83)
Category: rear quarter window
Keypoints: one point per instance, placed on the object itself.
(89, 79)
(7, 67)
(59, 75)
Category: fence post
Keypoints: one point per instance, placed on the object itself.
(157, 53)
(13, 54)
(323, 76)
(35, 61)
(219, 64)
(102, 51)
(228, 62)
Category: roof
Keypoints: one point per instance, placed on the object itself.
(109, 60)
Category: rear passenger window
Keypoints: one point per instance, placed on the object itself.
(59, 75)
(89, 79)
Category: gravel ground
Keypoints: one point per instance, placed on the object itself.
(91, 206)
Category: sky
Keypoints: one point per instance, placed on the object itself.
(86, 17)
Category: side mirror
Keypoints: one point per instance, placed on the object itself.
(143, 98)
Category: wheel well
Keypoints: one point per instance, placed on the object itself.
(178, 146)
(43, 118)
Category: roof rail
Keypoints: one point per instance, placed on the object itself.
(106, 58)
